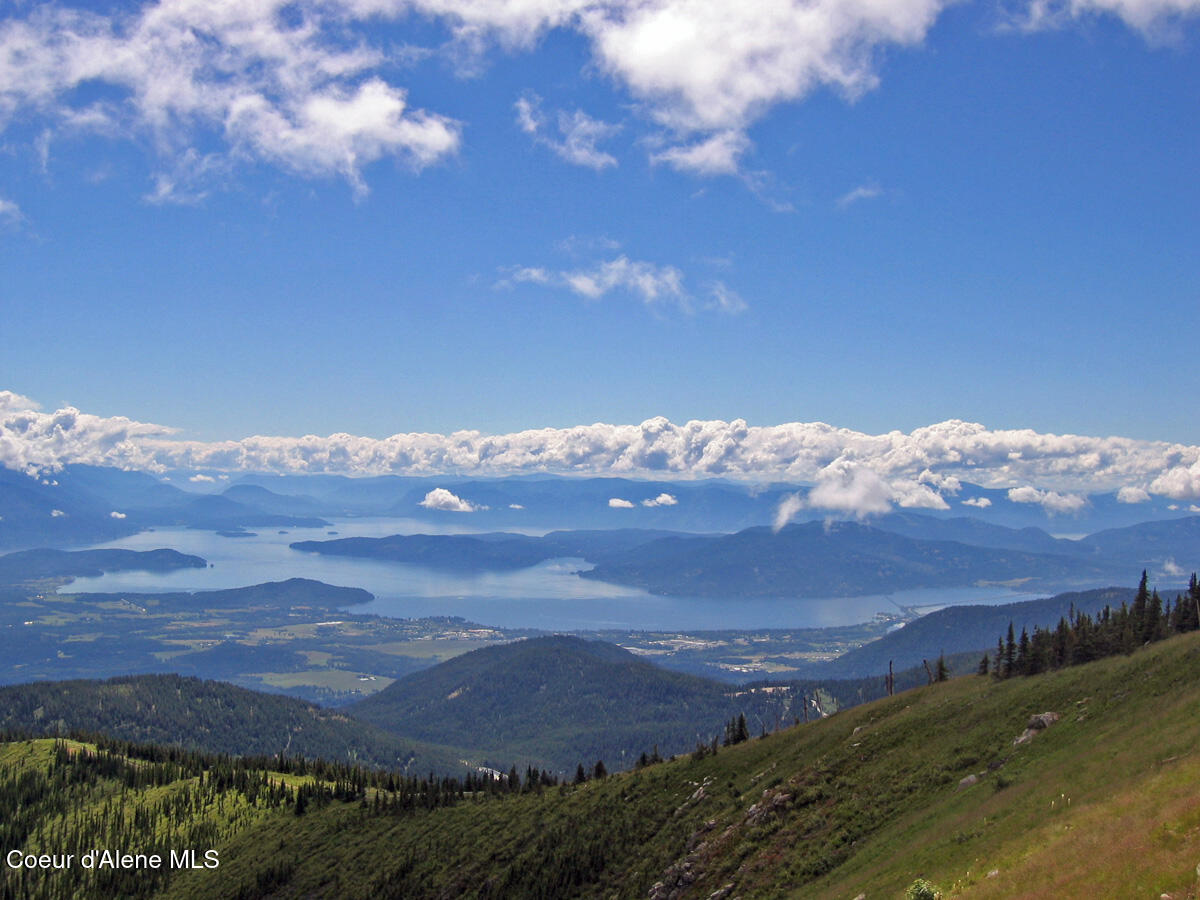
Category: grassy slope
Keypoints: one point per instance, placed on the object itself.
(1102, 804)
(859, 813)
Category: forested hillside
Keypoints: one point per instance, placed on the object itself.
(558, 701)
(210, 717)
(980, 788)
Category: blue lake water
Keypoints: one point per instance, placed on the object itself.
(547, 596)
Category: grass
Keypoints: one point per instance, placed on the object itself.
(1101, 804)
(331, 679)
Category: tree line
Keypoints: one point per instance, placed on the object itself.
(1080, 637)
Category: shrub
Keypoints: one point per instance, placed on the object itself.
(922, 890)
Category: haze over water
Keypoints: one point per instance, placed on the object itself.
(546, 596)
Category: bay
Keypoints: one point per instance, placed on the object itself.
(548, 596)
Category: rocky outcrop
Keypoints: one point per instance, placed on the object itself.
(1036, 725)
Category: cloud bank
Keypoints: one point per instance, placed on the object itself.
(850, 470)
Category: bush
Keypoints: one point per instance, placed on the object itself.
(922, 890)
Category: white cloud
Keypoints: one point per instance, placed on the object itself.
(789, 507)
(1129, 494)
(725, 300)
(845, 487)
(978, 502)
(302, 84)
(10, 213)
(1051, 501)
(663, 499)
(618, 503)
(442, 499)
(31, 440)
(1170, 567)
(267, 81)
(116, 515)
(717, 154)
(579, 133)
(1155, 19)
(649, 281)
(515, 506)
(710, 67)
(57, 513)
(203, 479)
(652, 283)
(10, 401)
(858, 194)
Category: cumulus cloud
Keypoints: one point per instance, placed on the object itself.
(618, 503)
(578, 133)
(201, 478)
(663, 499)
(116, 515)
(1130, 494)
(1051, 501)
(978, 502)
(515, 506)
(916, 467)
(289, 84)
(848, 488)
(10, 401)
(56, 513)
(310, 85)
(440, 498)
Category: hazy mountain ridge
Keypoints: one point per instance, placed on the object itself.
(558, 701)
(26, 565)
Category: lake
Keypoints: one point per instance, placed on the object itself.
(548, 596)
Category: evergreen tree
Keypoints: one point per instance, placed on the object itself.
(1010, 653)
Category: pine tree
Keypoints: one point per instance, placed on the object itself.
(1010, 653)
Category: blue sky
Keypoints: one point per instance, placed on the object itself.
(904, 213)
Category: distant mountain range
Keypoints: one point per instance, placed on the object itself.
(81, 504)
(814, 559)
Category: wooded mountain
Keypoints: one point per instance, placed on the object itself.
(27, 565)
(554, 702)
(212, 717)
(828, 560)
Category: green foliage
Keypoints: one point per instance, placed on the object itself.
(555, 701)
(208, 716)
(856, 803)
(1081, 638)
(923, 890)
